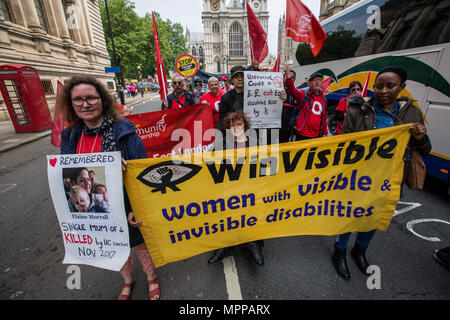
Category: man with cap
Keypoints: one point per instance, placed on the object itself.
(233, 100)
(226, 85)
(310, 119)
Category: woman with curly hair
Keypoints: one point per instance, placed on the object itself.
(96, 126)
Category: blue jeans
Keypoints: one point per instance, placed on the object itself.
(362, 238)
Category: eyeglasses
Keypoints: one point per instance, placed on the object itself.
(78, 102)
(177, 82)
(356, 89)
(198, 84)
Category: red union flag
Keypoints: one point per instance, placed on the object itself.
(326, 84)
(58, 118)
(276, 66)
(258, 44)
(302, 26)
(157, 130)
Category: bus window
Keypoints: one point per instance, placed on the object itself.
(358, 31)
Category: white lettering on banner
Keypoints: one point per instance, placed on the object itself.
(152, 131)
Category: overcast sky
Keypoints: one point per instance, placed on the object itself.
(189, 14)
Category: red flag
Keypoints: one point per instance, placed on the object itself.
(366, 84)
(276, 66)
(257, 35)
(58, 118)
(155, 130)
(302, 26)
(162, 79)
(326, 84)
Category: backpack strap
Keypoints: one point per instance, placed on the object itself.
(294, 117)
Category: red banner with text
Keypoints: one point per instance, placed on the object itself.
(174, 132)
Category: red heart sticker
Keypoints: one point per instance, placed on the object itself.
(53, 162)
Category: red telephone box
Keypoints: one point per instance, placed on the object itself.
(24, 97)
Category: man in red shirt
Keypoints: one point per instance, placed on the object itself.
(179, 97)
(212, 98)
(311, 114)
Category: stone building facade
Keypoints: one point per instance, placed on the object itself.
(196, 45)
(60, 38)
(286, 46)
(225, 33)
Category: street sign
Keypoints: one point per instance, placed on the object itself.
(186, 65)
(112, 69)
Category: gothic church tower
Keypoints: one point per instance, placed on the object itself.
(225, 32)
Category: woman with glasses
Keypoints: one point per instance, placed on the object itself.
(96, 126)
(198, 90)
(355, 88)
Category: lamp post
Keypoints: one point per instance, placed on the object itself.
(119, 90)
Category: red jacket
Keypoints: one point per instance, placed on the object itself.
(305, 112)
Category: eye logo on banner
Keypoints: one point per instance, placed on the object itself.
(168, 175)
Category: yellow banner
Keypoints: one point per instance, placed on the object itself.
(327, 186)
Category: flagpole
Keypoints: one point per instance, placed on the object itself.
(251, 48)
(164, 86)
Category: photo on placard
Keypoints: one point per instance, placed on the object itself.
(85, 189)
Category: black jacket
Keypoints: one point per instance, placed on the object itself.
(188, 100)
(230, 102)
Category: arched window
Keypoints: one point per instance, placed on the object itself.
(236, 40)
(215, 27)
(201, 52)
(194, 51)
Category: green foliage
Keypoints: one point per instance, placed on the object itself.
(134, 41)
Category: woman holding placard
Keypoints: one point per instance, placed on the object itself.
(96, 126)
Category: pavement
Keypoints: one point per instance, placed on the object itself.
(10, 139)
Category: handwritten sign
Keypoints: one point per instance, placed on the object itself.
(87, 193)
(261, 98)
(186, 65)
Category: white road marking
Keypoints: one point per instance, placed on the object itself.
(410, 206)
(410, 227)
(6, 187)
(231, 279)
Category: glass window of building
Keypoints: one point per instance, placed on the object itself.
(41, 14)
(5, 10)
(236, 40)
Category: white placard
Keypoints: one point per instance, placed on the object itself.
(262, 104)
(94, 233)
